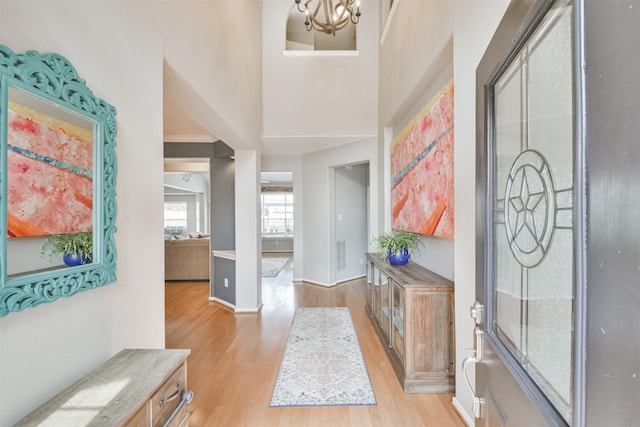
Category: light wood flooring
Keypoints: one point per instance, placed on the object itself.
(235, 359)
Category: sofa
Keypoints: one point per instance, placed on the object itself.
(187, 259)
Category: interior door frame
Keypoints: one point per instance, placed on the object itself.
(519, 21)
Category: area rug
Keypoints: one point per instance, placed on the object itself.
(272, 266)
(322, 363)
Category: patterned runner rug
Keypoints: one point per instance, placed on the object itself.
(322, 363)
(272, 266)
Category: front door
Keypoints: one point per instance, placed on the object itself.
(527, 197)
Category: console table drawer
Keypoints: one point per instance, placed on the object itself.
(140, 419)
(165, 401)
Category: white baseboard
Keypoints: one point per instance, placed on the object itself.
(223, 302)
(470, 422)
(326, 285)
(311, 282)
(236, 309)
(249, 310)
(351, 278)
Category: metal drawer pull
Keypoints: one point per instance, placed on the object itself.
(172, 396)
(187, 396)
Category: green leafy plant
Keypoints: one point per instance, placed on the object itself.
(73, 243)
(395, 240)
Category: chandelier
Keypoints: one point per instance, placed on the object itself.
(329, 16)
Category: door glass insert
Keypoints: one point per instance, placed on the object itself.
(532, 280)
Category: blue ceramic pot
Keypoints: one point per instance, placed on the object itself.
(74, 259)
(399, 257)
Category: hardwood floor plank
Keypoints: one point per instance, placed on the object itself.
(235, 360)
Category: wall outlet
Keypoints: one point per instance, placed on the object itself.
(226, 282)
(361, 261)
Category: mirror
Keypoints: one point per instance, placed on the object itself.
(58, 174)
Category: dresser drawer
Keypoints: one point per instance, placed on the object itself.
(165, 401)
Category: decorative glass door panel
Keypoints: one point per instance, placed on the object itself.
(532, 191)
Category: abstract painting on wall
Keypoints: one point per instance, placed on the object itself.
(49, 174)
(422, 170)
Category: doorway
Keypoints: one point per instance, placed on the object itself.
(530, 246)
(351, 219)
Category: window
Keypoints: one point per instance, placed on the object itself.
(277, 214)
(175, 218)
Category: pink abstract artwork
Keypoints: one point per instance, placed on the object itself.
(50, 175)
(422, 170)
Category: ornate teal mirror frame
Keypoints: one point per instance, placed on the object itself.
(57, 176)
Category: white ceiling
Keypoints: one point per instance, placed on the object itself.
(311, 101)
(276, 178)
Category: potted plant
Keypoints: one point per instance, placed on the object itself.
(398, 245)
(75, 248)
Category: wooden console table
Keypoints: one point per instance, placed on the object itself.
(411, 309)
(133, 388)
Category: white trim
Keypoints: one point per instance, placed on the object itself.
(351, 278)
(223, 302)
(249, 310)
(189, 138)
(387, 24)
(311, 282)
(462, 412)
(348, 139)
(320, 53)
(225, 254)
(236, 309)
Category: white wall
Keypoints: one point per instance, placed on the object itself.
(118, 48)
(416, 61)
(474, 25)
(410, 55)
(425, 41)
(318, 95)
(46, 348)
(437, 255)
(318, 224)
(214, 65)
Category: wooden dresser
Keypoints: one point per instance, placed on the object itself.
(412, 311)
(133, 388)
